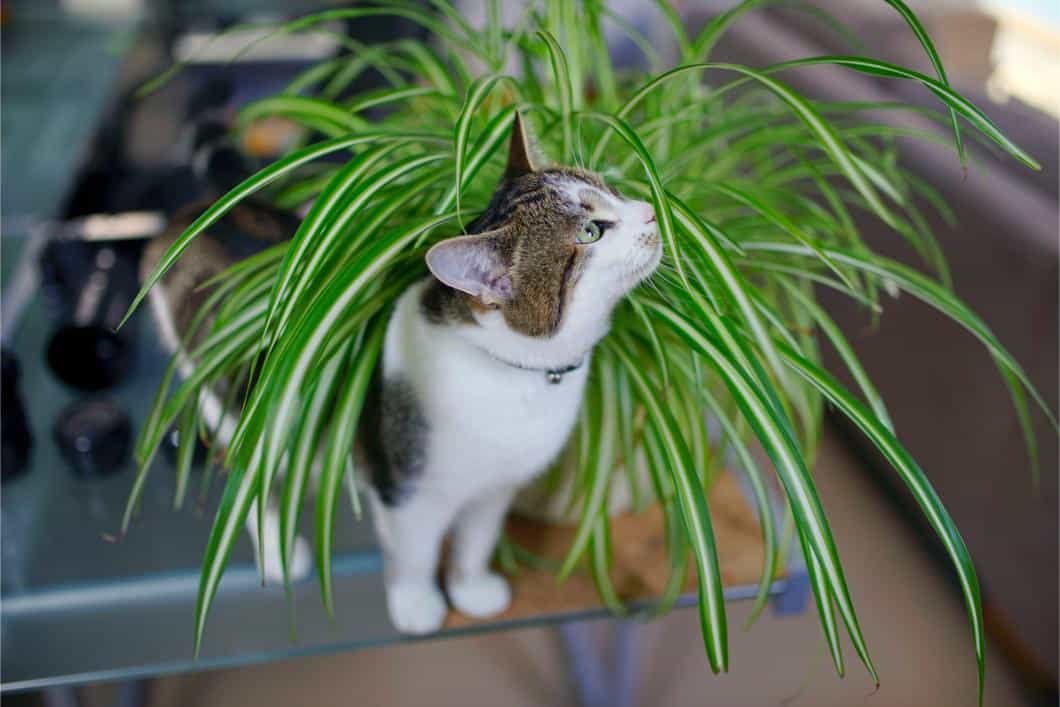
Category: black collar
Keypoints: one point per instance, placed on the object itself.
(553, 375)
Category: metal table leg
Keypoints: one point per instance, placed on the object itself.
(796, 594)
(595, 684)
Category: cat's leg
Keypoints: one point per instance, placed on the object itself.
(301, 553)
(473, 588)
(410, 534)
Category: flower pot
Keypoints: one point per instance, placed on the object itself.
(548, 499)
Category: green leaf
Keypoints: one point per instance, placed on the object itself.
(487, 146)
(787, 460)
(627, 435)
(846, 354)
(704, 42)
(780, 220)
(599, 463)
(390, 95)
(677, 546)
(313, 113)
(693, 504)
(561, 76)
(348, 405)
(825, 133)
(929, 48)
(822, 597)
(603, 73)
(600, 554)
(431, 65)
(918, 484)
(310, 433)
(762, 503)
(476, 94)
(185, 452)
(249, 186)
(235, 504)
(931, 294)
(310, 246)
(316, 330)
(948, 96)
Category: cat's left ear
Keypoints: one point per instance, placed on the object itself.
(519, 159)
(473, 264)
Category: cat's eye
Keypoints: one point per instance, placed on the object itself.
(592, 232)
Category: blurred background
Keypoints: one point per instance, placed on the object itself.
(89, 169)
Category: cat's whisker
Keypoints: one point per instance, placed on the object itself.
(654, 286)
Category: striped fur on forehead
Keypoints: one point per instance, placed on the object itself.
(547, 186)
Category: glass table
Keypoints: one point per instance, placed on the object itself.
(77, 607)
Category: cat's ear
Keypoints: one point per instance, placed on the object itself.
(519, 160)
(473, 264)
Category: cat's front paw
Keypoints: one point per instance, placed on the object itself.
(416, 608)
(480, 596)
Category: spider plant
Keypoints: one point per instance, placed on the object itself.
(756, 188)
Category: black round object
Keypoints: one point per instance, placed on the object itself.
(93, 436)
(213, 94)
(88, 357)
(14, 428)
(171, 447)
(89, 287)
(225, 166)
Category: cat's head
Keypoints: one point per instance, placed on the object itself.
(552, 254)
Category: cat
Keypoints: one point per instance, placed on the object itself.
(483, 371)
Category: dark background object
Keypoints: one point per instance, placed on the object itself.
(171, 447)
(14, 429)
(93, 436)
(89, 287)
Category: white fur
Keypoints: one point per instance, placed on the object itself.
(492, 426)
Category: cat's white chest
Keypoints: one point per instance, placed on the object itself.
(489, 424)
(502, 423)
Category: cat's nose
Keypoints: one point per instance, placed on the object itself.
(645, 212)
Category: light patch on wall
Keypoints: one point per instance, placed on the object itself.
(1026, 57)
